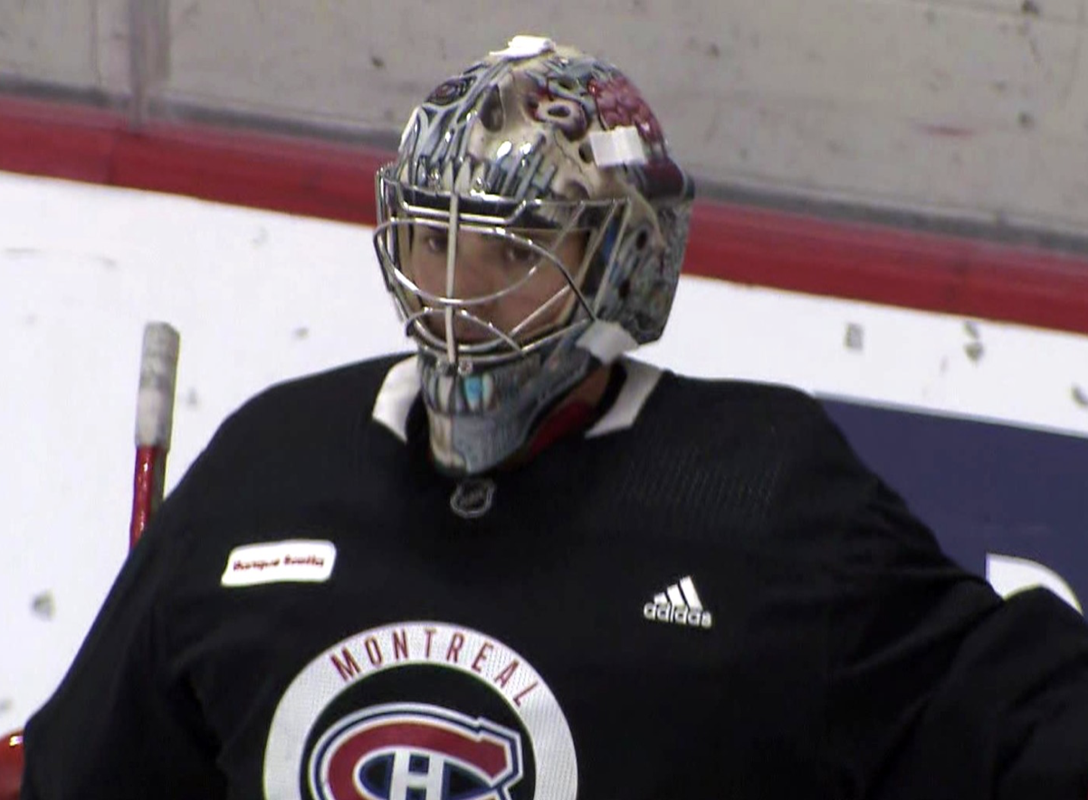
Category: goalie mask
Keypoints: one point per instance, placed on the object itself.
(531, 228)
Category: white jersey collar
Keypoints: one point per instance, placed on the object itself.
(399, 390)
(638, 384)
(401, 387)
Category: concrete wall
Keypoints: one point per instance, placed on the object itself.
(969, 108)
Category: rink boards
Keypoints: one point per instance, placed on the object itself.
(990, 492)
(980, 425)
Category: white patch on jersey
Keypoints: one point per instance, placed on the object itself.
(291, 561)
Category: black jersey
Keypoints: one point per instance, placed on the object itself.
(705, 594)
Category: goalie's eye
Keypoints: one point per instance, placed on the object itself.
(434, 241)
(519, 255)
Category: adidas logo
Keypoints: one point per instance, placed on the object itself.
(679, 605)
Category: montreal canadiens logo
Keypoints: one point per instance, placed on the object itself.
(419, 711)
(408, 751)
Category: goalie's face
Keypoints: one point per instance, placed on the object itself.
(513, 285)
(530, 230)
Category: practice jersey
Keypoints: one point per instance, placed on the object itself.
(702, 594)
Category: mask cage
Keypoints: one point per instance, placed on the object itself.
(403, 209)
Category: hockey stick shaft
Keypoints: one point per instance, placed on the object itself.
(154, 422)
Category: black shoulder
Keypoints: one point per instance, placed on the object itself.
(326, 396)
(747, 414)
(320, 408)
(749, 456)
(296, 439)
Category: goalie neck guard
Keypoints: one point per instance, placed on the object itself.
(532, 227)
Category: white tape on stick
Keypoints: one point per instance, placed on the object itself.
(158, 376)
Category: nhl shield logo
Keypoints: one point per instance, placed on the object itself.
(473, 498)
(415, 752)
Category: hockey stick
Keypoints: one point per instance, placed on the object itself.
(154, 423)
(11, 765)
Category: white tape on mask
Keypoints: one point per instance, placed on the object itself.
(617, 147)
(522, 46)
(606, 340)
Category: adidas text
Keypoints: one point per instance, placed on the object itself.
(677, 615)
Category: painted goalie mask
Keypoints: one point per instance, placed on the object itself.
(532, 227)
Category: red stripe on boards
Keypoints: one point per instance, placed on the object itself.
(746, 244)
